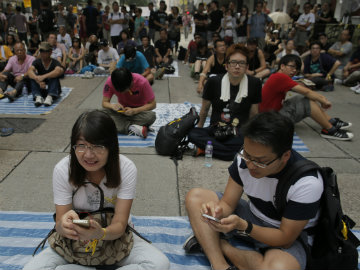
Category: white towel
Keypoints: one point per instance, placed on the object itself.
(225, 89)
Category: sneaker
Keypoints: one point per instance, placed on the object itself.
(198, 152)
(11, 97)
(355, 88)
(339, 124)
(357, 91)
(159, 73)
(192, 245)
(338, 81)
(38, 101)
(6, 132)
(138, 130)
(328, 88)
(336, 135)
(48, 101)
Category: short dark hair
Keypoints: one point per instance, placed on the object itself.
(96, 127)
(126, 32)
(316, 42)
(253, 41)
(287, 41)
(121, 79)
(216, 3)
(217, 41)
(322, 34)
(129, 51)
(145, 36)
(291, 58)
(237, 48)
(271, 129)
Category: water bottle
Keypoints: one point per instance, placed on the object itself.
(25, 95)
(208, 154)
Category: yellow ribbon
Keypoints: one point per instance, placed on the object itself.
(91, 245)
(344, 231)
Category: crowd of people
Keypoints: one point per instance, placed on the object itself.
(243, 68)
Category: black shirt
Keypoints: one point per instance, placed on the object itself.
(91, 14)
(163, 46)
(34, 45)
(215, 17)
(151, 19)
(149, 54)
(41, 69)
(46, 20)
(200, 17)
(212, 92)
(161, 17)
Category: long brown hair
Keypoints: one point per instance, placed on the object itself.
(96, 127)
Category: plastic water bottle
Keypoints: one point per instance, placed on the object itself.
(25, 93)
(208, 154)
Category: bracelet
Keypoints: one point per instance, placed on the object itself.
(202, 74)
(102, 238)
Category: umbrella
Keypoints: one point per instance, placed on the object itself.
(280, 17)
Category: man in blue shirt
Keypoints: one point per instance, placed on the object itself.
(135, 62)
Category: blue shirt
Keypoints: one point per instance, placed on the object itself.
(138, 65)
(257, 24)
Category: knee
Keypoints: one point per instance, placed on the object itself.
(194, 197)
(161, 262)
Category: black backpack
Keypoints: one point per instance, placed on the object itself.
(334, 244)
(182, 53)
(171, 138)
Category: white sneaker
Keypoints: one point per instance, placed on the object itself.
(338, 81)
(357, 91)
(48, 101)
(39, 101)
(356, 87)
(138, 130)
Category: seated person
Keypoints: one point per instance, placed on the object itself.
(58, 52)
(4, 57)
(15, 71)
(256, 64)
(273, 241)
(352, 68)
(234, 98)
(64, 38)
(91, 50)
(288, 49)
(214, 37)
(341, 50)
(107, 57)
(148, 51)
(135, 62)
(132, 113)
(191, 50)
(307, 104)
(202, 55)
(34, 43)
(215, 65)
(320, 68)
(93, 167)
(325, 45)
(76, 56)
(44, 76)
(272, 44)
(163, 49)
(125, 40)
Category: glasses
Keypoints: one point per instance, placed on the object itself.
(291, 66)
(237, 63)
(257, 164)
(96, 149)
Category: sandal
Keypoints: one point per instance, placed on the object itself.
(11, 96)
(6, 132)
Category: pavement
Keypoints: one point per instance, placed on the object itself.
(27, 159)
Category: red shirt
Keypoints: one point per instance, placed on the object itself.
(274, 91)
(140, 93)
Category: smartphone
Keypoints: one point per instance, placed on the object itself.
(210, 217)
(82, 222)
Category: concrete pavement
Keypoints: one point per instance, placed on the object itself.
(27, 159)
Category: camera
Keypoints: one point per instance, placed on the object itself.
(223, 132)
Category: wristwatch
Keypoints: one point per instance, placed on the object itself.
(248, 229)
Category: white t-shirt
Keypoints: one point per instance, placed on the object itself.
(116, 28)
(305, 18)
(107, 57)
(88, 197)
(66, 40)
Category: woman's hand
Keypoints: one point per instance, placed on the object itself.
(94, 232)
(65, 227)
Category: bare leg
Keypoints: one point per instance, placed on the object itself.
(197, 66)
(208, 238)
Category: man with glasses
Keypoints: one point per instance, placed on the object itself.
(234, 98)
(320, 67)
(274, 238)
(307, 104)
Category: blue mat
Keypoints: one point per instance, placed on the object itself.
(21, 232)
(23, 106)
(79, 75)
(166, 112)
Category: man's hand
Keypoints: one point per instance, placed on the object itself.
(228, 224)
(130, 111)
(117, 106)
(212, 209)
(3, 77)
(42, 85)
(200, 88)
(18, 78)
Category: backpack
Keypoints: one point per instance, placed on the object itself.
(334, 245)
(171, 138)
(182, 53)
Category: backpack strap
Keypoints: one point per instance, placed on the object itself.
(289, 178)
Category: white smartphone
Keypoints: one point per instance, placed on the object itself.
(210, 217)
(82, 222)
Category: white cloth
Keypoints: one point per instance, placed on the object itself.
(86, 198)
(305, 18)
(106, 58)
(115, 28)
(225, 89)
